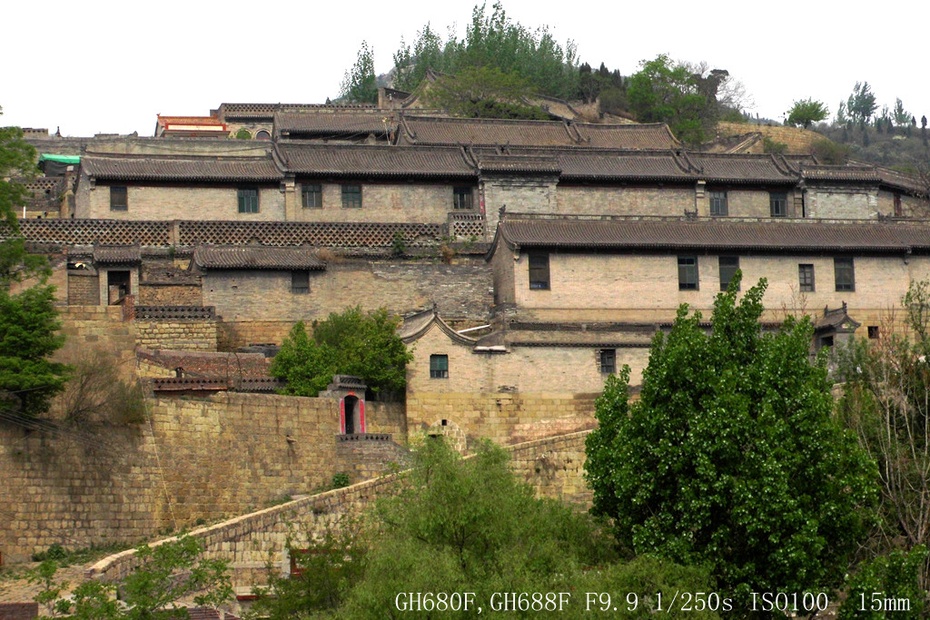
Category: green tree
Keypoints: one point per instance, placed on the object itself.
(483, 92)
(492, 40)
(666, 92)
(731, 457)
(807, 111)
(359, 84)
(348, 343)
(28, 336)
(861, 104)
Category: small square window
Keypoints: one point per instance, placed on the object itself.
(806, 278)
(539, 271)
(311, 196)
(718, 204)
(687, 273)
(438, 366)
(352, 196)
(873, 332)
(300, 282)
(462, 198)
(248, 200)
(119, 198)
(845, 273)
(607, 359)
(729, 265)
(778, 203)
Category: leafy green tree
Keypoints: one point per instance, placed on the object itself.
(349, 343)
(492, 40)
(731, 458)
(359, 84)
(895, 576)
(861, 104)
(666, 92)
(807, 111)
(28, 336)
(902, 117)
(483, 92)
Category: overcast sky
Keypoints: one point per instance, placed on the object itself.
(109, 67)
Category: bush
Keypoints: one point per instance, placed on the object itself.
(883, 584)
(349, 343)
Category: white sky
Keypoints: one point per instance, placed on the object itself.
(109, 67)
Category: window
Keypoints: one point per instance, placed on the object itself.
(438, 366)
(778, 203)
(718, 203)
(687, 273)
(262, 135)
(728, 268)
(119, 198)
(300, 282)
(898, 211)
(806, 278)
(248, 200)
(352, 196)
(311, 196)
(539, 271)
(845, 274)
(873, 332)
(608, 361)
(461, 198)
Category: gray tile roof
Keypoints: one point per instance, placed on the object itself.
(674, 234)
(151, 168)
(350, 160)
(334, 123)
(211, 257)
(116, 255)
(440, 130)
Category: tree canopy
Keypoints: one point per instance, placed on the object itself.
(28, 319)
(483, 92)
(349, 343)
(807, 111)
(492, 40)
(731, 457)
(359, 84)
(663, 91)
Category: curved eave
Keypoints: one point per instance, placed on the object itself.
(199, 178)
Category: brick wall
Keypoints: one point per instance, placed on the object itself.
(842, 202)
(83, 288)
(158, 294)
(381, 202)
(165, 202)
(244, 299)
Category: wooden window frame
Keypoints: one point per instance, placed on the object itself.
(351, 196)
(607, 361)
(248, 200)
(806, 280)
(438, 366)
(119, 198)
(778, 204)
(300, 282)
(844, 273)
(729, 269)
(686, 270)
(538, 270)
(463, 198)
(311, 196)
(719, 204)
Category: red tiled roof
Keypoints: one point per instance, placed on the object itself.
(673, 234)
(262, 257)
(150, 168)
(363, 160)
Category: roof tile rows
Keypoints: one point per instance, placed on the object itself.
(669, 234)
(151, 168)
(260, 257)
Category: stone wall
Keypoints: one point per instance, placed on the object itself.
(188, 335)
(159, 294)
(196, 459)
(553, 467)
